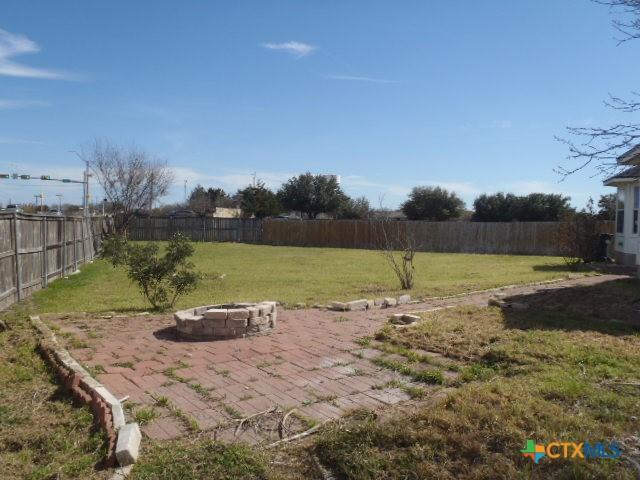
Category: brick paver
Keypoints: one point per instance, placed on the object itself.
(311, 361)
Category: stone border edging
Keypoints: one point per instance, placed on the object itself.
(388, 302)
(124, 438)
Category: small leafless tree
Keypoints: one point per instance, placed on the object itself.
(130, 178)
(397, 243)
(578, 236)
(600, 147)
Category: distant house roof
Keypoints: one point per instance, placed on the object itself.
(625, 176)
(630, 156)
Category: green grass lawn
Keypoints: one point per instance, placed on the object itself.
(293, 274)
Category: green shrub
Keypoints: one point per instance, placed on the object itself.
(161, 279)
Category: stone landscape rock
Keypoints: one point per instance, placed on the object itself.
(389, 302)
(404, 299)
(339, 306)
(355, 305)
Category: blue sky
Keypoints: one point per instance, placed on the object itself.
(467, 95)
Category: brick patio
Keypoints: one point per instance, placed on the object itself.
(311, 362)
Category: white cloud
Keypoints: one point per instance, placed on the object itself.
(9, 104)
(352, 78)
(13, 45)
(18, 141)
(297, 49)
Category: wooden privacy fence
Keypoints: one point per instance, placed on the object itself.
(36, 249)
(525, 238)
(197, 229)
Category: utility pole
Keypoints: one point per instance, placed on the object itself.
(254, 179)
(59, 195)
(85, 203)
(37, 197)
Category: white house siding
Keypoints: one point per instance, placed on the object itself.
(627, 244)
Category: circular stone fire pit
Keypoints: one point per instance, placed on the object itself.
(224, 321)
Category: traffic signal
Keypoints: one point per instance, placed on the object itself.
(45, 177)
(25, 177)
(5, 175)
(66, 180)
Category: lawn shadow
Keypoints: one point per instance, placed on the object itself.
(608, 268)
(610, 308)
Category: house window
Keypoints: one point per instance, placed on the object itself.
(636, 205)
(620, 212)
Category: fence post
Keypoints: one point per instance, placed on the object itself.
(64, 247)
(75, 246)
(84, 241)
(45, 265)
(16, 238)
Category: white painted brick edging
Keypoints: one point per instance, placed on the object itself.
(105, 406)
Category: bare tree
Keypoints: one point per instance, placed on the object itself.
(601, 146)
(398, 244)
(131, 178)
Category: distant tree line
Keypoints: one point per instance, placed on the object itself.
(309, 194)
(312, 195)
(132, 179)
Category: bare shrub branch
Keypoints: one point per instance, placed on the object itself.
(131, 178)
(397, 243)
(600, 147)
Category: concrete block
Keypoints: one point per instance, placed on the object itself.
(253, 312)
(195, 323)
(339, 306)
(216, 314)
(370, 304)
(273, 320)
(404, 299)
(237, 322)
(274, 315)
(255, 321)
(378, 302)
(208, 331)
(389, 302)
(265, 308)
(214, 323)
(237, 314)
(117, 415)
(128, 444)
(357, 305)
(224, 332)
